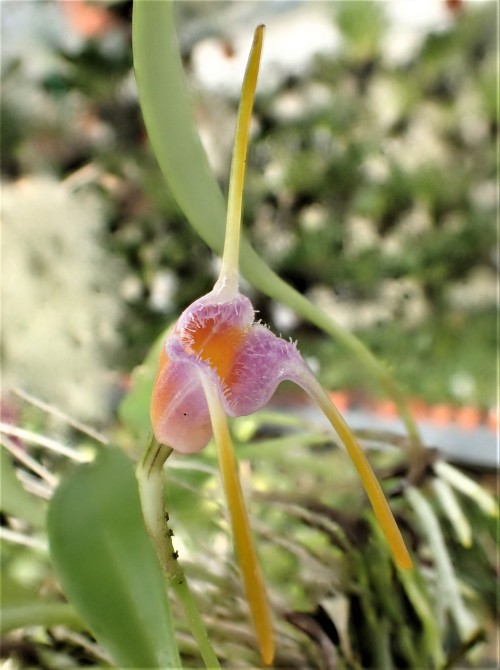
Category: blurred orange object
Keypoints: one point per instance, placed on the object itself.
(418, 409)
(88, 20)
(341, 400)
(468, 417)
(387, 408)
(442, 415)
(455, 6)
(493, 420)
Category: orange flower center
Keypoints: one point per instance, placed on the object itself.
(216, 344)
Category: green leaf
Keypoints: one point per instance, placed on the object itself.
(15, 500)
(107, 565)
(431, 639)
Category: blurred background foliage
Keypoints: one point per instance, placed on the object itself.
(372, 189)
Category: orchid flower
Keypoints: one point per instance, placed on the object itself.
(218, 361)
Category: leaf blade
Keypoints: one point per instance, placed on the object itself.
(106, 563)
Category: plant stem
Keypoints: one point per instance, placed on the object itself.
(149, 474)
(40, 614)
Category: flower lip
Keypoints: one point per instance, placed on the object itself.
(259, 368)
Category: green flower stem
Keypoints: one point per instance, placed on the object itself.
(39, 614)
(170, 124)
(151, 490)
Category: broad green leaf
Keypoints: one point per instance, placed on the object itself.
(169, 120)
(107, 565)
(15, 500)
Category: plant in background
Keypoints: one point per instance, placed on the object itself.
(54, 325)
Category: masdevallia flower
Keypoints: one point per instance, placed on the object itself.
(217, 338)
(218, 361)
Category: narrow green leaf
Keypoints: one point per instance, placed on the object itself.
(468, 487)
(418, 596)
(15, 500)
(453, 511)
(107, 565)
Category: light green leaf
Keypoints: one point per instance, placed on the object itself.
(448, 594)
(106, 563)
(468, 487)
(453, 511)
(417, 595)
